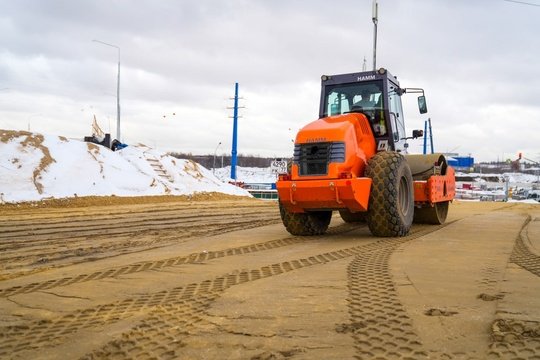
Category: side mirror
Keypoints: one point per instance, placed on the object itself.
(417, 133)
(422, 104)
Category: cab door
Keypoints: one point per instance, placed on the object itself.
(397, 122)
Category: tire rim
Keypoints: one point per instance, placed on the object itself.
(403, 197)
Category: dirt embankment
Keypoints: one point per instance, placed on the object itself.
(188, 278)
(87, 201)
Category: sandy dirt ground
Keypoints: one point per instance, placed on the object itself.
(220, 278)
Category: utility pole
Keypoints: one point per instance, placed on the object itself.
(375, 18)
(234, 151)
(428, 130)
(214, 164)
(430, 135)
(425, 138)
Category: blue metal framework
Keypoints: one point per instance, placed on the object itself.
(428, 121)
(234, 151)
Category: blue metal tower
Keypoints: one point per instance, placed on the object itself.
(430, 135)
(426, 128)
(425, 138)
(234, 151)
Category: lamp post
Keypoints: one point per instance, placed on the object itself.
(117, 90)
(214, 165)
(30, 117)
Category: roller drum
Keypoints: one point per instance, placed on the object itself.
(423, 166)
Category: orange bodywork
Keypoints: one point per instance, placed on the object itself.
(352, 194)
(343, 187)
(351, 128)
(436, 188)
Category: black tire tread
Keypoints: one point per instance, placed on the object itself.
(435, 215)
(384, 217)
(305, 224)
(350, 217)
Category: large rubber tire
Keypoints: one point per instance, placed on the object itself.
(308, 223)
(350, 217)
(435, 215)
(391, 201)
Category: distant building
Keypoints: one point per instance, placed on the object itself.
(460, 163)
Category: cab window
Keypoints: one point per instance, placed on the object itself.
(396, 113)
(344, 98)
(337, 103)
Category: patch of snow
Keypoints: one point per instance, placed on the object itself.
(513, 178)
(35, 167)
(251, 175)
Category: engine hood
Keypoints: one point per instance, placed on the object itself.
(352, 130)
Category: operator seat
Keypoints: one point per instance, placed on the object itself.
(377, 120)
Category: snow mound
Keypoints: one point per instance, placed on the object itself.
(248, 174)
(35, 167)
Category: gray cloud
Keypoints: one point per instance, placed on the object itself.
(476, 60)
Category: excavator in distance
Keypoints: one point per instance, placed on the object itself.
(354, 159)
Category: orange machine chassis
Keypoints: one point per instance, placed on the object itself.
(298, 196)
(437, 188)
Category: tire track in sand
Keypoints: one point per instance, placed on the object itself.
(31, 252)
(522, 254)
(517, 338)
(379, 323)
(158, 334)
(157, 265)
(29, 233)
(80, 250)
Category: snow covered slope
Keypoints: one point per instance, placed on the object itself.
(35, 166)
(247, 174)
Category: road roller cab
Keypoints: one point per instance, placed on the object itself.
(353, 159)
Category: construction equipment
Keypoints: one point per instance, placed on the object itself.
(354, 159)
(520, 156)
(98, 136)
(101, 138)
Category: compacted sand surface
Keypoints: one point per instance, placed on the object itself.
(213, 277)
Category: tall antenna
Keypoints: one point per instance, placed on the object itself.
(375, 18)
(364, 66)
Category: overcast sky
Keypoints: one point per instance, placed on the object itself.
(477, 61)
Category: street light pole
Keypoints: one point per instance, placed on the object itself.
(215, 152)
(30, 117)
(117, 90)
